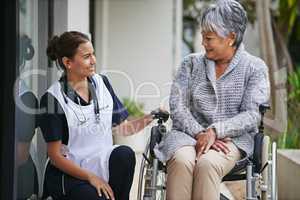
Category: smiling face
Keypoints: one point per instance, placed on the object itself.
(217, 47)
(82, 64)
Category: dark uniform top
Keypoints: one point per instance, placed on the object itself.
(53, 121)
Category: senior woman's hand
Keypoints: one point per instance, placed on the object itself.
(204, 141)
(221, 145)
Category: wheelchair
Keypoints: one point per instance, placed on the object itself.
(259, 171)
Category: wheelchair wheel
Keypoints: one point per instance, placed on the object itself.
(152, 178)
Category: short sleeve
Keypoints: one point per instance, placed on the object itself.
(52, 120)
(120, 113)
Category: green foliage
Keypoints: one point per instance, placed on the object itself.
(191, 8)
(294, 82)
(250, 8)
(291, 138)
(134, 109)
(286, 17)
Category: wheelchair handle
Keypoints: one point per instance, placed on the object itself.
(263, 108)
(161, 115)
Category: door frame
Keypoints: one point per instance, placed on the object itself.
(8, 72)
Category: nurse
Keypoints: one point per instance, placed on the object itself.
(80, 112)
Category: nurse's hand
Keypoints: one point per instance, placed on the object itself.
(101, 186)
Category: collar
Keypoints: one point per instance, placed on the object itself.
(210, 65)
(72, 94)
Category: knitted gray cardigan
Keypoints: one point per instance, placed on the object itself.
(229, 104)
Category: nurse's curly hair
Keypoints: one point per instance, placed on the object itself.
(65, 45)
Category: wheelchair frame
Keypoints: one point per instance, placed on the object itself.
(259, 172)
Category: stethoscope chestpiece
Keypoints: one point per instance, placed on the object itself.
(97, 118)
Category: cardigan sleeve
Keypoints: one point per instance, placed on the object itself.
(180, 96)
(257, 92)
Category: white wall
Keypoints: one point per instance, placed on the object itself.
(69, 15)
(140, 41)
(138, 45)
(78, 15)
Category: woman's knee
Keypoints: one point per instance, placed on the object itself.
(85, 191)
(208, 166)
(183, 158)
(124, 156)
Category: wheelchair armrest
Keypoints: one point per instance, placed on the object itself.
(257, 153)
(239, 170)
(235, 177)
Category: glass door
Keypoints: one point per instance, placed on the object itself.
(29, 86)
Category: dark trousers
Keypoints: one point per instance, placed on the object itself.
(121, 171)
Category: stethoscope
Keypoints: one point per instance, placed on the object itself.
(94, 97)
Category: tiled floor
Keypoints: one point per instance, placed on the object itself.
(237, 188)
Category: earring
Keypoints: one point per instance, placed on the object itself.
(231, 44)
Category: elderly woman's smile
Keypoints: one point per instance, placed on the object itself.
(218, 48)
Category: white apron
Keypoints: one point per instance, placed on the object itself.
(90, 144)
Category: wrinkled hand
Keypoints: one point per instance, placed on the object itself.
(101, 186)
(221, 145)
(204, 141)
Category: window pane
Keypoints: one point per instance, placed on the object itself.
(26, 100)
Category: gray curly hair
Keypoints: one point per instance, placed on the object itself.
(224, 17)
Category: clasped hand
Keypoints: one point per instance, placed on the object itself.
(208, 140)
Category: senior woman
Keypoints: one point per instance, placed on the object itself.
(214, 107)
